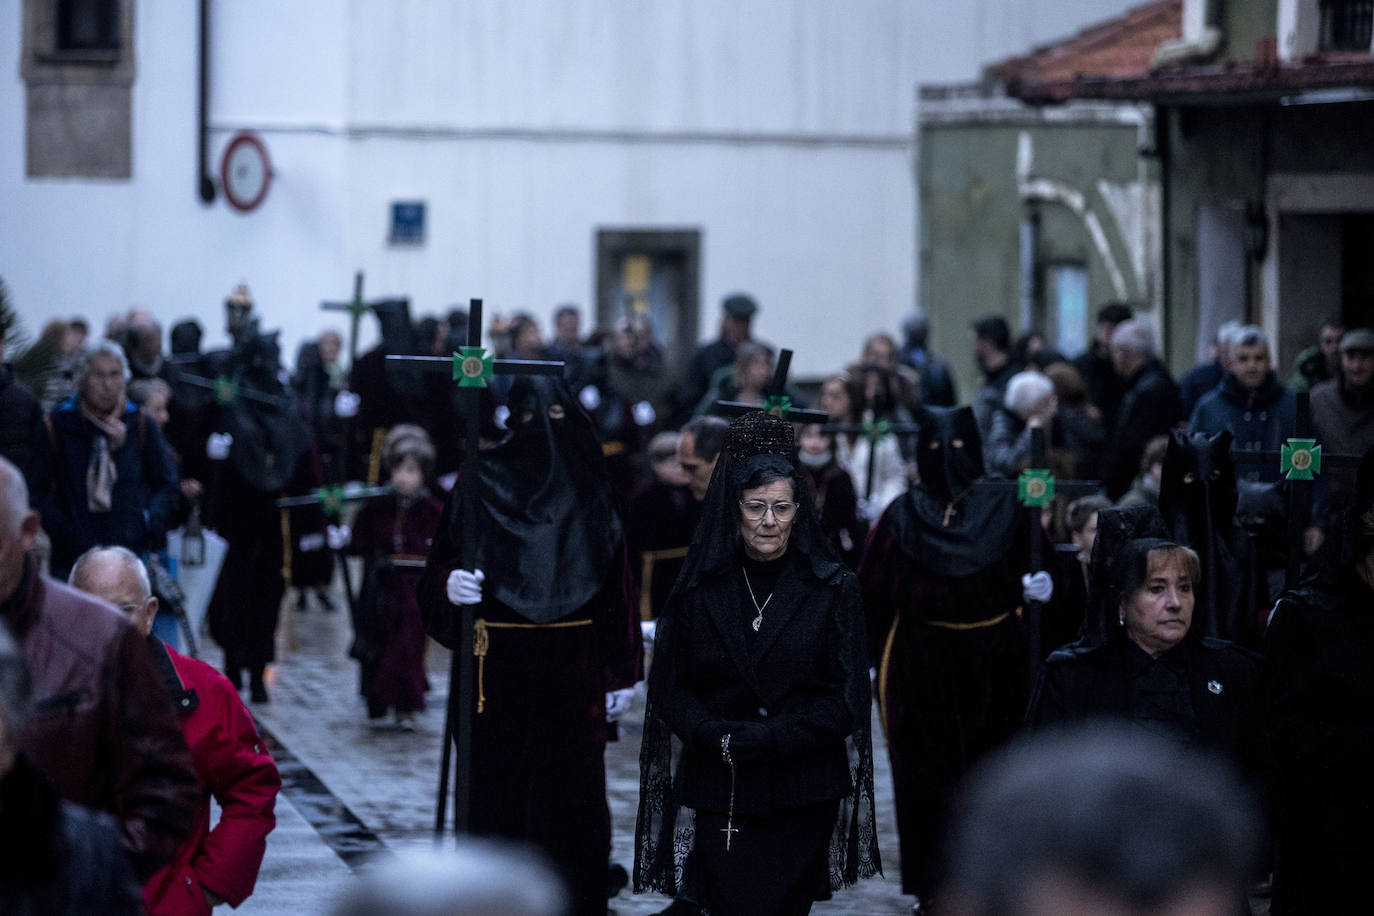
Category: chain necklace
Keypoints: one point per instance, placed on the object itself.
(758, 621)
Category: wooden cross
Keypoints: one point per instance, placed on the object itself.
(472, 367)
(227, 390)
(356, 309)
(331, 499)
(776, 400)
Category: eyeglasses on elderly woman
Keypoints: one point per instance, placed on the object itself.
(755, 509)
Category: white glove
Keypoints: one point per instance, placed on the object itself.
(869, 509)
(1037, 586)
(590, 398)
(644, 413)
(465, 587)
(618, 703)
(500, 415)
(346, 404)
(312, 542)
(218, 445)
(647, 628)
(338, 536)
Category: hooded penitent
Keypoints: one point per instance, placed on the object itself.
(269, 438)
(1197, 498)
(547, 531)
(951, 526)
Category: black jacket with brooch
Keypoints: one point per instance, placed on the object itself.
(1224, 684)
(796, 676)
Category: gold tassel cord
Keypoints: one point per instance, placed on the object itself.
(974, 625)
(481, 642)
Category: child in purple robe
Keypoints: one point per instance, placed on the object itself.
(394, 533)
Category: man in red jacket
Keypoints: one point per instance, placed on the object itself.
(217, 865)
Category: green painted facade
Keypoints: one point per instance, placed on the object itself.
(973, 202)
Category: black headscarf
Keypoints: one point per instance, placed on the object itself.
(547, 529)
(1198, 497)
(945, 522)
(1115, 529)
(754, 442)
(665, 831)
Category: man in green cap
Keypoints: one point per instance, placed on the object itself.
(737, 312)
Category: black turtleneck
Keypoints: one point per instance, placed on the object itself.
(763, 579)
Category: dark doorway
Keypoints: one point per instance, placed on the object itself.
(1357, 270)
(655, 273)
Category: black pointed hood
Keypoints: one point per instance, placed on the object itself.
(546, 516)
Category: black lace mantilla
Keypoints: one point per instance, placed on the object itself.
(665, 834)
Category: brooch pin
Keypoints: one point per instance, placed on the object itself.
(1214, 686)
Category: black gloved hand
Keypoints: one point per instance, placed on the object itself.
(750, 740)
(708, 734)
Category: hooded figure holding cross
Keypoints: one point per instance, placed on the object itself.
(942, 586)
(556, 633)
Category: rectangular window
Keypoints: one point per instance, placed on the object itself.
(1066, 291)
(87, 25)
(1347, 25)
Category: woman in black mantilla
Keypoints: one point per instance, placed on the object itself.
(1154, 667)
(756, 771)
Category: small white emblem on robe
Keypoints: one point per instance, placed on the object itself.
(1214, 686)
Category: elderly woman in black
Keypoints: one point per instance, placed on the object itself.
(756, 790)
(1150, 665)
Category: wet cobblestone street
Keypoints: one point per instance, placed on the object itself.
(386, 779)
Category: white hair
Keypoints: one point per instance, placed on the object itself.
(121, 556)
(1226, 333)
(1136, 336)
(102, 348)
(1025, 390)
(14, 497)
(1250, 335)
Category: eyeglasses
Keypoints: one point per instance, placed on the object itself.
(756, 509)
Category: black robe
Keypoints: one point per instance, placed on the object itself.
(952, 677)
(556, 629)
(1321, 711)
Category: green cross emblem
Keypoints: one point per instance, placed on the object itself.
(226, 391)
(779, 405)
(331, 500)
(358, 308)
(472, 367)
(1035, 487)
(1300, 459)
(876, 431)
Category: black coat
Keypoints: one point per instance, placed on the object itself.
(1149, 408)
(21, 420)
(1321, 696)
(797, 679)
(58, 858)
(1224, 681)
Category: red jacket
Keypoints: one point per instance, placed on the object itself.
(234, 766)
